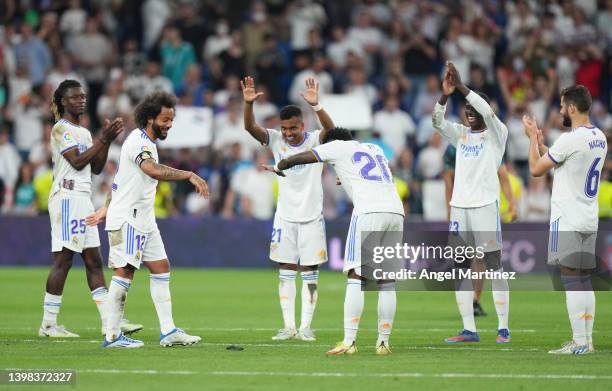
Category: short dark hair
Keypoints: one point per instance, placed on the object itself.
(579, 96)
(151, 106)
(337, 133)
(57, 108)
(290, 111)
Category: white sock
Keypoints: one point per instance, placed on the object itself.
(387, 303)
(99, 296)
(51, 307)
(501, 299)
(589, 297)
(465, 301)
(115, 304)
(353, 307)
(160, 293)
(310, 294)
(576, 308)
(286, 295)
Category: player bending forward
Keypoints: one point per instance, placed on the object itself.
(75, 156)
(298, 233)
(365, 175)
(130, 221)
(577, 157)
(474, 216)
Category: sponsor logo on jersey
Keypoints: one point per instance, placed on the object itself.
(471, 151)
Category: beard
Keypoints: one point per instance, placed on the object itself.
(567, 121)
(158, 132)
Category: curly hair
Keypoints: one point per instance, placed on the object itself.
(337, 133)
(151, 106)
(56, 102)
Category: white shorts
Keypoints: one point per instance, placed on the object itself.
(130, 246)
(367, 222)
(477, 226)
(298, 243)
(67, 212)
(571, 249)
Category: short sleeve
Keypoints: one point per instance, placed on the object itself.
(329, 152)
(316, 136)
(139, 151)
(64, 137)
(561, 149)
(274, 136)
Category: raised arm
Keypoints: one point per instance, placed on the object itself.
(100, 147)
(311, 96)
(539, 163)
(250, 96)
(439, 122)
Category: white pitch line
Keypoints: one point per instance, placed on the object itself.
(417, 374)
(230, 329)
(310, 345)
(550, 376)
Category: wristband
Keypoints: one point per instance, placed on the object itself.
(276, 168)
(318, 107)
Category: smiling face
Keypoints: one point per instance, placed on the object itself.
(474, 119)
(292, 130)
(75, 101)
(163, 122)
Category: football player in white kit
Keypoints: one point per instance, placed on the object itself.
(577, 158)
(298, 233)
(474, 216)
(75, 156)
(364, 172)
(130, 221)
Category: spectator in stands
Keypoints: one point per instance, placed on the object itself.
(395, 126)
(25, 196)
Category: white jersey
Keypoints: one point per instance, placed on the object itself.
(300, 195)
(479, 154)
(364, 172)
(580, 155)
(133, 190)
(64, 137)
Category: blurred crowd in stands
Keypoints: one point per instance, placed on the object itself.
(520, 53)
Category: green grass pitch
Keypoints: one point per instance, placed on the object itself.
(241, 307)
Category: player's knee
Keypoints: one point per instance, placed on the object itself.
(287, 266)
(353, 274)
(309, 268)
(492, 260)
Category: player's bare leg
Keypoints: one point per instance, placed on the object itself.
(310, 279)
(287, 273)
(353, 308)
(62, 262)
(160, 293)
(99, 291)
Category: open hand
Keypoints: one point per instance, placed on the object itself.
(248, 90)
(311, 95)
(447, 85)
(530, 125)
(200, 185)
(272, 169)
(111, 130)
(98, 217)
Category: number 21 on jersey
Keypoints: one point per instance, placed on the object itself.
(375, 167)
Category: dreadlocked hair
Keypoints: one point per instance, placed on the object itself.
(56, 103)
